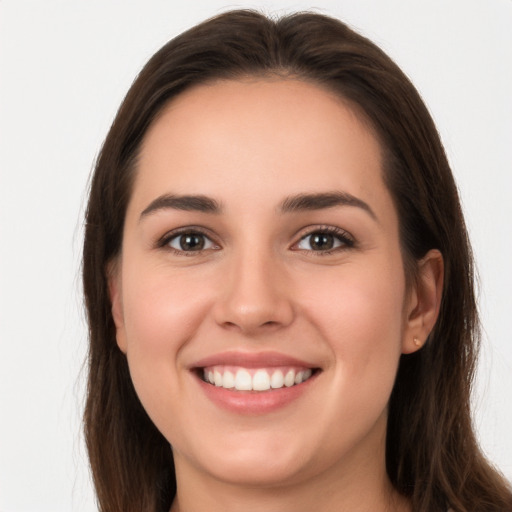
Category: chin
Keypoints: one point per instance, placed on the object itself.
(256, 460)
(259, 470)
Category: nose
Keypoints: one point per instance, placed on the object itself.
(255, 295)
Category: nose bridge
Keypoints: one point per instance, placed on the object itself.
(256, 295)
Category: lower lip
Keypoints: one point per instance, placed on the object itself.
(255, 402)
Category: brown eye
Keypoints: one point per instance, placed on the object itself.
(321, 241)
(190, 242)
(324, 241)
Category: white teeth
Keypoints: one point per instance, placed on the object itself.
(228, 380)
(261, 381)
(277, 380)
(289, 379)
(243, 381)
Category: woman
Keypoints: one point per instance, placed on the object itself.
(279, 284)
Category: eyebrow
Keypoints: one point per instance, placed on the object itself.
(296, 203)
(319, 201)
(188, 203)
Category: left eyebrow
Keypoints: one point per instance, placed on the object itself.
(319, 201)
(189, 203)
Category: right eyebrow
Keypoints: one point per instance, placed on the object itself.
(189, 203)
(319, 201)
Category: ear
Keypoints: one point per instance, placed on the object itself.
(116, 301)
(422, 308)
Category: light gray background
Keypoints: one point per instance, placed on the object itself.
(64, 68)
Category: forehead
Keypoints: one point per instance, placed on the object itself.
(253, 137)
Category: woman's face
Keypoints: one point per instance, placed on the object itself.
(261, 248)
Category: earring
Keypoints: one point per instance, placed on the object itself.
(417, 342)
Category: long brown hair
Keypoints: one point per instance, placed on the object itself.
(432, 455)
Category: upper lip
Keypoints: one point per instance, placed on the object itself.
(251, 360)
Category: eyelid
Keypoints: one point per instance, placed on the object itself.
(347, 240)
(163, 241)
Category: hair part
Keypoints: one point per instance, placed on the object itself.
(432, 455)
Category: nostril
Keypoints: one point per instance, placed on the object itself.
(248, 325)
(231, 326)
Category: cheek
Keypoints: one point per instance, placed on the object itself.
(359, 311)
(162, 314)
(358, 301)
(161, 310)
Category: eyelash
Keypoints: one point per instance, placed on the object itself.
(346, 240)
(165, 241)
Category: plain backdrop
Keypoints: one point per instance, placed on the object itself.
(64, 69)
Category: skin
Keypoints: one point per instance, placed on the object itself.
(259, 285)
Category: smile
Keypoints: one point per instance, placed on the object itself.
(255, 379)
(254, 383)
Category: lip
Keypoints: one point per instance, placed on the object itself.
(267, 359)
(253, 402)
